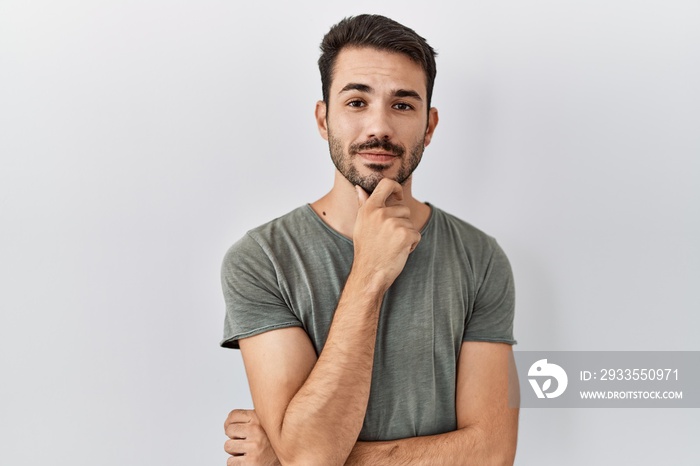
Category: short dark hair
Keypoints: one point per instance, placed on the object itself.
(378, 32)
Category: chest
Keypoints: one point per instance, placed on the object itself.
(425, 309)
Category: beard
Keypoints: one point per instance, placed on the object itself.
(344, 162)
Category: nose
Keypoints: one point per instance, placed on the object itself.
(379, 124)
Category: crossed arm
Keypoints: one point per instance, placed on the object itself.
(311, 410)
(487, 425)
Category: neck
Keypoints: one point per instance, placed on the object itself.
(338, 208)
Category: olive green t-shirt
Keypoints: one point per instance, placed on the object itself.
(456, 286)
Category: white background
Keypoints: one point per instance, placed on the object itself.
(140, 139)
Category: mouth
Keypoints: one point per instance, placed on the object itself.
(377, 156)
(377, 151)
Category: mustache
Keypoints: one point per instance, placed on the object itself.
(377, 144)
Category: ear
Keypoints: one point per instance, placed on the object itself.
(432, 123)
(321, 122)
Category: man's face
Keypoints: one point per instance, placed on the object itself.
(376, 121)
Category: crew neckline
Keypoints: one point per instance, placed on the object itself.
(313, 213)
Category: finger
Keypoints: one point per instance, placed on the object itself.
(399, 211)
(362, 195)
(386, 188)
(238, 415)
(238, 460)
(393, 200)
(412, 239)
(415, 245)
(238, 430)
(237, 446)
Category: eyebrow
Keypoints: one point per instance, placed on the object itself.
(357, 87)
(369, 90)
(407, 93)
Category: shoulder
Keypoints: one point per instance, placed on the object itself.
(293, 223)
(471, 238)
(260, 241)
(480, 251)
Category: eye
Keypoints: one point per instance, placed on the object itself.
(356, 103)
(403, 106)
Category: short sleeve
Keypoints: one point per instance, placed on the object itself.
(254, 302)
(494, 304)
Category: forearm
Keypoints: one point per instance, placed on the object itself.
(324, 418)
(467, 446)
(315, 415)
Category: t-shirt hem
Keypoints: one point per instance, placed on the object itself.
(232, 341)
(510, 341)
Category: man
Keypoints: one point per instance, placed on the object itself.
(375, 329)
